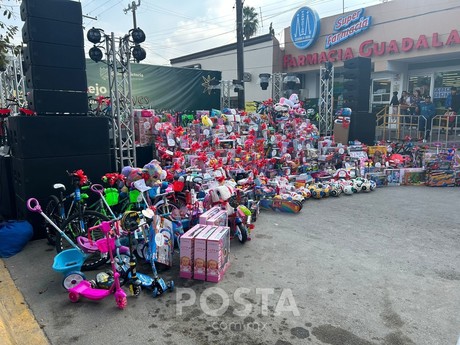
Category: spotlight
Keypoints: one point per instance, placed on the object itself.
(238, 85)
(137, 35)
(94, 35)
(139, 53)
(264, 79)
(95, 54)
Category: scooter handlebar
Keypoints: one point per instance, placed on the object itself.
(33, 205)
(97, 188)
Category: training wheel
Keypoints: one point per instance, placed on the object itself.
(74, 297)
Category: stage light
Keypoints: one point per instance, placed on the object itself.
(264, 80)
(292, 81)
(95, 54)
(94, 35)
(137, 35)
(139, 53)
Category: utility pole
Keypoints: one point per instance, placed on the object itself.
(239, 53)
(133, 7)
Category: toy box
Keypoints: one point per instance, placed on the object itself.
(393, 177)
(379, 178)
(218, 219)
(187, 248)
(413, 177)
(371, 150)
(208, 214)
(200, 252)
(441, 178)
(218, 251)
(165, 250)
(143, 130)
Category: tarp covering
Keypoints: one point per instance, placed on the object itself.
(161, 87)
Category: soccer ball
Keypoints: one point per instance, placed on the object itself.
(348, 189)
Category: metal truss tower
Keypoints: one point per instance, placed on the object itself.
(326, 116)
(119, 77)
(12, 83)
(277, 86)
(225, 88)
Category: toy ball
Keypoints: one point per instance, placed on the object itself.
(366, 187)
(326, 189)
(373, 185)
(336, 189)
(357, 185)
(348, 190)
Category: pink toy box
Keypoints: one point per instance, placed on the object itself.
(208, 214)
(201, 240)
(187, 247)
(218, 219)
(218, 253)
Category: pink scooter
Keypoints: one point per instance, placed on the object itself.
(85, 289)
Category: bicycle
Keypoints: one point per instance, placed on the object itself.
(76, 220)
(5, 113)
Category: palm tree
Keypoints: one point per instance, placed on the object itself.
(250, 22)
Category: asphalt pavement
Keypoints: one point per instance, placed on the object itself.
(381, 268)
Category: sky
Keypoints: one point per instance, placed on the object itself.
(176, 28)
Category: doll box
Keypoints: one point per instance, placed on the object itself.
(200, 252)
(209, 214)
(380, 178)
(143, 130)
(218, 252)
(187, 247)
(219, 219)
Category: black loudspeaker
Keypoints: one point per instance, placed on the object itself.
(47, 102)
(34, 177)
(7, 203)
(52, 31)
(53, 55)
(357, 83)
(62, 10)
(57, 136)
(362, 127)
(54, 78)
(144, 155)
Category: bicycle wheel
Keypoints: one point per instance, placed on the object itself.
(52, 210)
(75, 226)
(242, 232)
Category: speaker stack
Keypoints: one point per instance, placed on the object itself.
(356, 95)
(54, 58)
(61, 137)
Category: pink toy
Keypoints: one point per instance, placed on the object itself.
(187, 248)
(200, 251)
(218, 251)
(85, 289)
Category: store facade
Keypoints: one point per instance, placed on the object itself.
(412, 45)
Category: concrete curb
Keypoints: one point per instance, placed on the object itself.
(17, 323)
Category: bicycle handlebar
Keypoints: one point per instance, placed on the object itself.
(33, 205)
(104, 226)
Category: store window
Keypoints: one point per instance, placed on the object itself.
(443, 81)
(421, 83)
(381, 94)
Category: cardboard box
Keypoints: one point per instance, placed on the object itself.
(200, 252)
(413, 177)
(341, 134)
(187, 249)
(393, 177)
(379, 178)
(441, 178)
(218, 253)
(208, 214)
(143, 130)
(371, 150)
(218, 219)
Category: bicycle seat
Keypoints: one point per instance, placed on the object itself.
(59, 186)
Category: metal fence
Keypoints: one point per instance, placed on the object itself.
(444, 130)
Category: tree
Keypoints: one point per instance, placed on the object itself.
(250, 22)
(7, 33)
